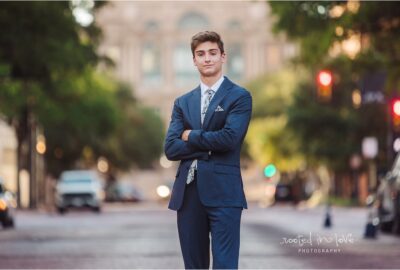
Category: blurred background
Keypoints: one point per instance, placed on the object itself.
(88, 87)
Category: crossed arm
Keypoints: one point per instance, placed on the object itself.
(189, 144)
(175, 148)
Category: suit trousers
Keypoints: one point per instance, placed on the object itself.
(196, 222)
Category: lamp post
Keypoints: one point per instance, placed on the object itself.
(370, 150)
(355, 164)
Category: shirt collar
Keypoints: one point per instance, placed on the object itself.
(215, 87)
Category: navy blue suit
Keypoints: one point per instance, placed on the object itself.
(213, 202)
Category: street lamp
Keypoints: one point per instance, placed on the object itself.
(102, 165)
(165, 163)
(41, 144)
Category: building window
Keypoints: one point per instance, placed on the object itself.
(235, 63)
(185, 71)
(193, 20)
(151, 26)
(151, 65)
(234, 25)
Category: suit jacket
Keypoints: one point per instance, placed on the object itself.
(216, 145)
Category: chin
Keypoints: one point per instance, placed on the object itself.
(209, 73)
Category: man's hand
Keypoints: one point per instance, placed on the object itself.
(185, 135)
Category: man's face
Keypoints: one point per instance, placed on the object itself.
(208, 59)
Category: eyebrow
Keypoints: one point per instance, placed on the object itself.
(210, 50)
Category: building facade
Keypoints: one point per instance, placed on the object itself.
(150, 44)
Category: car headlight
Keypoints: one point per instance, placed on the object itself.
(3, 205)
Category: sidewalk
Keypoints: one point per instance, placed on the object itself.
(303, 229)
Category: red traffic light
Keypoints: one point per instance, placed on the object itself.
(395, 113)
(324, 85)
(396, 107)
(325, 78)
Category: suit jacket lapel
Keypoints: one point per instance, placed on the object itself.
(219, 95)
(194, 108)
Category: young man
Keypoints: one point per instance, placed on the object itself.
(206, 133)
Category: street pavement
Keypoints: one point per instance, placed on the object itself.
(144, 236)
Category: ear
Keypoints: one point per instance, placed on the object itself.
(194, 61)
(223, 57)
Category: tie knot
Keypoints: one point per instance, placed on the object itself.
(210, 92)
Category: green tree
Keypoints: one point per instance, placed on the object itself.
(268, 139)
(320, 28)
(137, 140)
(353, 39)
(48, 79)
(320, 25)
(84, 116)
(43, 44)
(99, 118)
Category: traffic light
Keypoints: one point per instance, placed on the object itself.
(395, 124)
(324, 84)
(395, 113)
(269, 170)
(272, 175)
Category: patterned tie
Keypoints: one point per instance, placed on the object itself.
(208, 96)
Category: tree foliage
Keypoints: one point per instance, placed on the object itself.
(138, 136)
(319, 25)
(43, 46)
(268, 139)
(48, 79)
(82, 118)
(330, 132)
(104, 120)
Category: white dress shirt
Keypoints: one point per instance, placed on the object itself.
(204, 88)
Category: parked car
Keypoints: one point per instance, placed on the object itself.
(388, 199)
(283, 192)
(79, 189)
(123, 191)
(7, 207)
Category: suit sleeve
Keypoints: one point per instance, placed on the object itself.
(175, 148)
(231, 134)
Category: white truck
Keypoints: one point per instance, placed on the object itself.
(79, 189)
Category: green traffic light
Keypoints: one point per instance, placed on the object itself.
(270, 170)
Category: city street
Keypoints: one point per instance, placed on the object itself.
(145, 236)
(128, 102)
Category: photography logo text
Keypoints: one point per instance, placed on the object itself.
(316, 243)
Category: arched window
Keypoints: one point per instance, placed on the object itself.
(151, 64)
(185, 71)
(234, 25)
(151, 26)
(235, 63)
(193, 20)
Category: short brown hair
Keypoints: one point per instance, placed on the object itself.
(205, 36)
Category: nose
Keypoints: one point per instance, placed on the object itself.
(207, 57)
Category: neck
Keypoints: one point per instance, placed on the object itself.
(210, 80)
